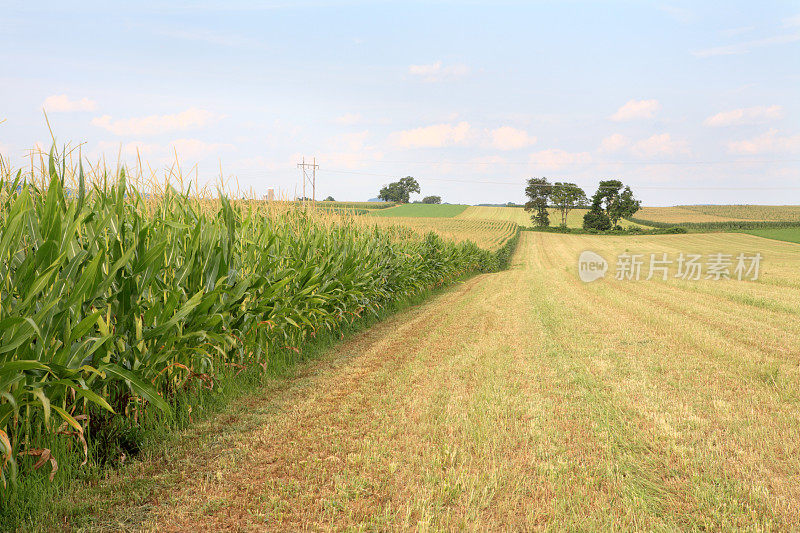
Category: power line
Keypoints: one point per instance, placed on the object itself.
(522, 182)
(603, 162)
(310, 177)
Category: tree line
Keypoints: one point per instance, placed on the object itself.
(612, 202)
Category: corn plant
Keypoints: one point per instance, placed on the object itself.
(111, 301)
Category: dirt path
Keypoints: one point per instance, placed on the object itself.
(521, 400)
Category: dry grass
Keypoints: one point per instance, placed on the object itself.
(524, 400)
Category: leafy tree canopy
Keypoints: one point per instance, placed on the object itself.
(399, 191)
(565, 197)
(597, 219)
(615, 201)
(538, 192)
(432, 200)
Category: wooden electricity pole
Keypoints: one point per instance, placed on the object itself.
(310, 176)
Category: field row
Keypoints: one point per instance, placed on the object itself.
(747, 212)
(487, 234)
(676, 215)
(701, 214)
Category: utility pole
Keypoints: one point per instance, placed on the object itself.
(310, 176)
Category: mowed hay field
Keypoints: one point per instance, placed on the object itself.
(487, 234)
(521, 217)
(520, 400)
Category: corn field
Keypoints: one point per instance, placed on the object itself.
(111, 300)
(488, 234)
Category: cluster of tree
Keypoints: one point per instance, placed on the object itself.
(562, 196)
(612, 202)
(399, 191)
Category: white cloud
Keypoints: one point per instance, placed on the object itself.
(636, 109)
(733, 32)
(192, 149)
(556, 159)
(434, 136)
(614, 143)
(111, 150)
(791, 22)
(508, 138)
(187, 150)
(767, 142)
(261, 163)
(348, 119)
(155, 124)
(438, 72)
(660, 145)
(209, 36)
(60, 103)
(353, 141)
(743, 48)
(350, 151)
(488, 160)
(746, 115)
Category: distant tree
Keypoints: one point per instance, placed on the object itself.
(399, 191)
(565, 197)
(538, 192)
(432, 200)
(329, 199)
(612, 202)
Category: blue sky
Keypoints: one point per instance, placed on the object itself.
(471, 98)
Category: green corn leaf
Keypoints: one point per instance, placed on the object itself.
(94, 398)
(39, 393)
(68, 418)
(140, 387)
(13, 367)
